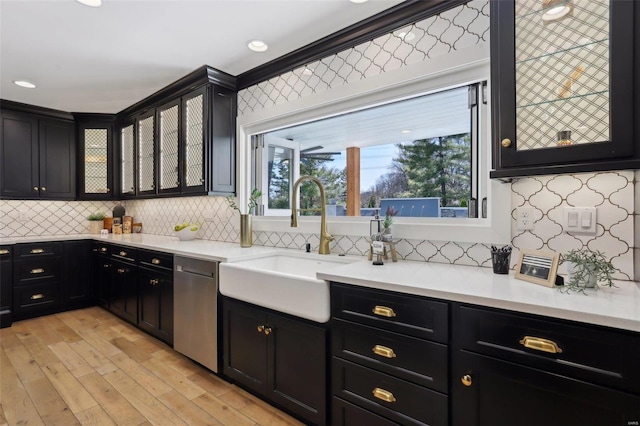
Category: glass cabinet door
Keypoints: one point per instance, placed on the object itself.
(565, 90)
(96, 179)
(194, 137)
(127, 160)
(146, 154)
(169, 143)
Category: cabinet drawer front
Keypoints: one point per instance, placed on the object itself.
(603, 356)
(347, 414)
(415, 360)
(31, 250)
(156, 259)
(28, 272)
(412, 315)
(36, 296)
(393, 398)
(124, 253)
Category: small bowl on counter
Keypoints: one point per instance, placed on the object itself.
(188, 233)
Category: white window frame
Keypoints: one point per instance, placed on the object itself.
(455, 69)
(284, 143)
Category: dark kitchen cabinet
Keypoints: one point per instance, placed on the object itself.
(146, 157)
(390, 358)
(6, 286)
(155, 300)
(281, 358)
(38, 157)
(577, 73)
(123, 299)
(78, 288)
(541, 371)
(102, 272)
(96, 166)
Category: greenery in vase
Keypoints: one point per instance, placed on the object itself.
(253, 201)
(588, 263)
(388, 217)
(96, 216)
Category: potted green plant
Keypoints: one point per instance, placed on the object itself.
(586, 268)
(246, 233)
(96, 222)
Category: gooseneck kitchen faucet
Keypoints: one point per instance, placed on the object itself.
(325, 237)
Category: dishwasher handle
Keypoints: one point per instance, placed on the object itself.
(207, 274)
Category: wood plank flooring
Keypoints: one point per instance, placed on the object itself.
(88, 367)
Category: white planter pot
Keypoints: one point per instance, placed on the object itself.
(591, 277)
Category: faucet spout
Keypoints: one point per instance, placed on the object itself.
(325, 237)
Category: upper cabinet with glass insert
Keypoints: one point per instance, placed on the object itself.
(95, 159)
(185, 139)
(565, 86)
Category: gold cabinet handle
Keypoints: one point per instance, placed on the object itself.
(35, 188)
(155, 261)
(123, 253)
(103, 249)
(384, 395)
(37, 271)
(466, 380)
(267, 330)
(37, 251)
(260, 328)
(154, 281)
(4, 251)
(384, 311)
(384, 351)
(37, 296)
(121, 270)
(540, 344)
(506, 143)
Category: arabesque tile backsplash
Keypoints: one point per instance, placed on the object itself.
(615, 194)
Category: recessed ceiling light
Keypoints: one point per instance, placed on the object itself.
(359, 1)
(258, 46)
(23, 83)
(406, 131)
(405, 34)
(555, 9)
(91, 3)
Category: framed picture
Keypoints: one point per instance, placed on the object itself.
(538, 267)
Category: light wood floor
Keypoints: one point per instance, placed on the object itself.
(88, 367)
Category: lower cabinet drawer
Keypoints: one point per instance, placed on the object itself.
(348, 414)
(390, 397)
(420, 361)
(32, 271)
(36, 296)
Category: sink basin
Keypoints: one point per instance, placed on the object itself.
(284, 282)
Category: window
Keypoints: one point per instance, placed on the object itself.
(416, 158)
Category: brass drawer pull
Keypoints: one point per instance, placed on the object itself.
(37, 271)
(37, 296)
(37, 251)
(384, 311)
(267, 330)
(540, 344)
(466, 380)
(154, 281)
(121, 270)
(384, 351)
(384, 395)
(123, 253)
(103, 249)
(155, 261)
(260, 328)
(4, 251)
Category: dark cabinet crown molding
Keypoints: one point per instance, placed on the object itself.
(203, 75)
(405, 13)
(94, 117)
(36, 110)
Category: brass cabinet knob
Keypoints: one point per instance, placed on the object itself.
(155, 261)
(506, 143)
(44, 188)
(260, 328)
(154, 281)
(267, 331)
(466, 380)
(123, 253)
(35, 188)
(121, 270)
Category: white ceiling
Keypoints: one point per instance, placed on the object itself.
(105, 59)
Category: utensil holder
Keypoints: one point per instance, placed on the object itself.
(500, 261)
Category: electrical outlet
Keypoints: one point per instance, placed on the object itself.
(524, 218)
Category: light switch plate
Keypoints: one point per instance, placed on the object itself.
(579, 220)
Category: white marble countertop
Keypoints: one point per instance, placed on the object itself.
(617, 307)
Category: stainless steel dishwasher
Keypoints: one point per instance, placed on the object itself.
(196, 310)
